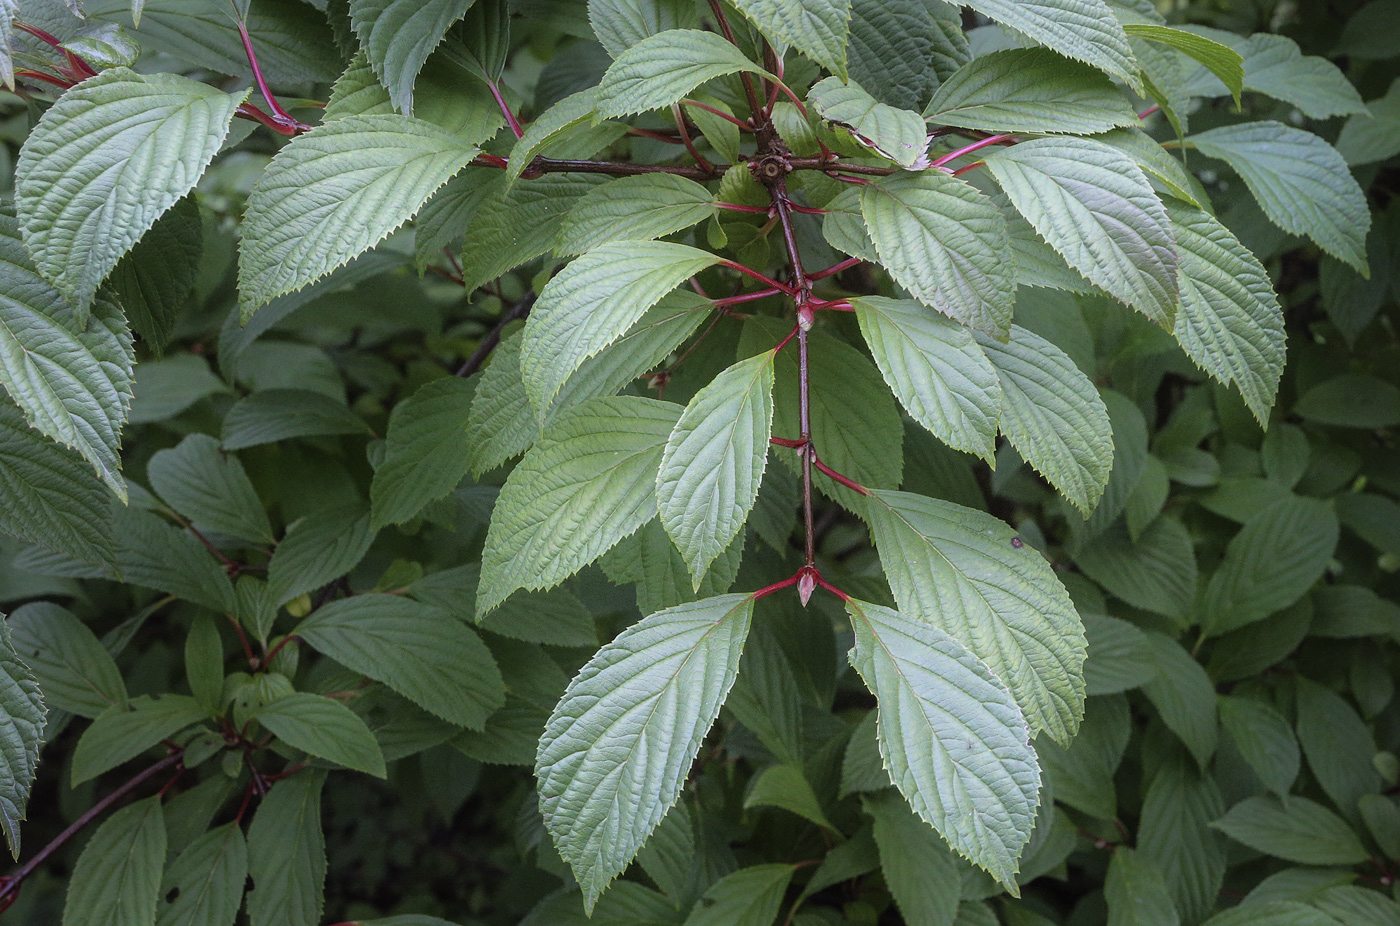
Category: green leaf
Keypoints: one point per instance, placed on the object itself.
(116, 879)
(335, 192)
(1339, 747)
(918, 868)
(1136, 893)
(937, 371)
(1352, 400)
(324, 728)
(156, 277)
(713, 462)
(21, 734)
(620, 24)
(958, 570)
(70, 374)
(555, 617)
(48, 495)
(165, 388)
(634, 209)
(1298, 830)
(1120, 656)
(1229, 321)
(588, 482)
(951, 736)
(900, 49)
(817, 28)
(1300, 181)
(592, 303)
(204, 884)
(287, 853)
(897, 134)
(271, 415)
(1273, 65)
(443, 95)
(154, 554)
(660, 574)
(1265, 739)
(751, 896)
(209, 487)
(1030, 90)
(1175, 833)
(398, 36)
(105, 162)
(1155, 572)
(661, 69)
(427, 450)
(628, 728)
(1382, 818)
(204, 664)
(1082, 29)
(1269, 564)
(420, 652)
(946, 243)
(1184, 697)
(1271, 913)
(1221, 60)
(1053, 416)
(75, 672)
(1082, 775)
(785, 786)
(1373, 136)
(1155, 161)
(317, 549)
(124, 731)
(1093, 205)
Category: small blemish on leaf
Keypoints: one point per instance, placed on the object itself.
(1017, 542)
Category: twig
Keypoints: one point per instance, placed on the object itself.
(488, 343)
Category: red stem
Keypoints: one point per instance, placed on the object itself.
(745, 297)
(9, 886)
(968, 169)
(767, 590)
(278, 113)
(750, 272)
(505, 110)
(783, 343)
(718, 112)
(845, 481)
(278, 648)
(975, 146)
(737, 207)
(831, 588)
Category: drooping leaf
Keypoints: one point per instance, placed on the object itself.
(951, 735)
(1221, 60)
(1229, 321)
(156, 554)
(116, 879)
(1053, 416)
(593, 302)
(156, 277)
(271, 415)
(713, 462)
(588, 482)
(22, 716)
(203, 886)
(936, 369)
(1339, 747)
(70, 374)
(105, 162)
(1082, 29)
(1298, 830)
(661, 69)
(398, 36)
(1093, 205)
(287, 853)
(1082, 775)
(897, 134)
(422, 653)
(1184, 697)
(946, 243)
(1030, 90)
(209, 487)
(335, 192)
(1300, 181)
(427, 450)
(324, 728)
(968, 574)
(1374, 135)
(629, 726)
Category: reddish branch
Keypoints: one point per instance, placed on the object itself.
(10, 884)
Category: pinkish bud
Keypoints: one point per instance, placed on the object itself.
(806, 317)
(806, 585)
